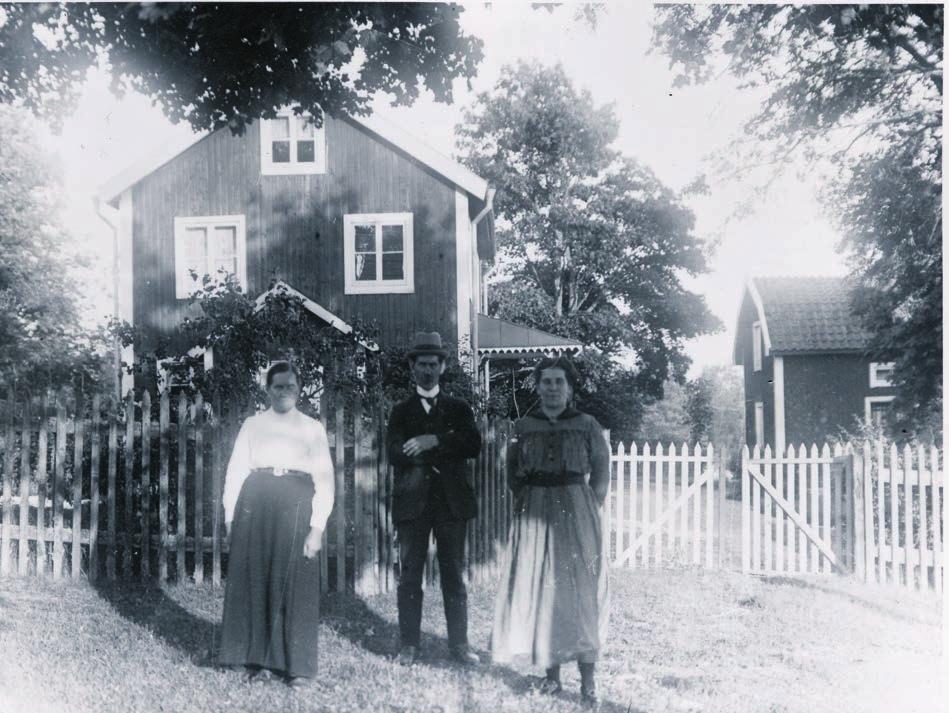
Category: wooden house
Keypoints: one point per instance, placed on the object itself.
(806, 372)
(357, 216)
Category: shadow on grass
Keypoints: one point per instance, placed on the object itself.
(353, 619)
(149, 606)
(853, 598)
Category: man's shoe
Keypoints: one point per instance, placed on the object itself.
(407, 655)
(549, 687)
(464, 655)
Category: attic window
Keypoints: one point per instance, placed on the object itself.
(378, 253)
(881, 374)
(290, 144)
(756, 345)
(208, 244)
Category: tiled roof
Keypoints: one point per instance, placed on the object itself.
(810, 314)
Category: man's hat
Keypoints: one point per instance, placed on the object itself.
(427, 343)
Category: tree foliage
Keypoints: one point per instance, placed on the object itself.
(217, 64)
(591, 245)
(855, 90)
(42, 342)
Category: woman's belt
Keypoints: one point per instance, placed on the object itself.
(541, 479)
(282, 472)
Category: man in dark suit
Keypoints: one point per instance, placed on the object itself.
(429, 439)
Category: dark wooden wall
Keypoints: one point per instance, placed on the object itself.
(295, 227)
(759, 385)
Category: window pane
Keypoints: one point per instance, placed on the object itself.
(304, 127)
(306, 151)
(280, 128)
(280, 150)
(196, 249)
(391, 238)
(392, 266)
(225, 241)
(227, 264)
(366, 266)
(365, 238)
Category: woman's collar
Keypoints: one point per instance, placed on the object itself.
(538, 412)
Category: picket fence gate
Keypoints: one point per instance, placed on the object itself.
(873, 512)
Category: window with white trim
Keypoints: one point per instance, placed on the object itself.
(290, 144)
(206, 245)
(176, 373)
(881, 374)
(876, 409)
(756, 345)
(759, 423)
(378, 251)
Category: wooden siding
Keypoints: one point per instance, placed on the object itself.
(295, 226)
(825, 393)
(759, 385)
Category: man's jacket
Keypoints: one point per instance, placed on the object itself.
(458, 440)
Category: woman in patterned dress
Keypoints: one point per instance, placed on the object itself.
(551, 604)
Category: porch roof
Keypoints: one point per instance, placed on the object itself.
(500, 337)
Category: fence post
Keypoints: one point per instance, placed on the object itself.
(23, 551)
(859, 529)
(145, 501)
(199, 489)
(745, 521)
(181, 520)
(129, 486)
(163, 445)
(93, 493)
(59, 476)
(6, 532)
(75, 566)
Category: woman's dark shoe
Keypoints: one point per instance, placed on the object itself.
(465, 656)
(588, 695)
(297, 683)
(250, 673)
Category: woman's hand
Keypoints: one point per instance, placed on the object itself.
(313, 543)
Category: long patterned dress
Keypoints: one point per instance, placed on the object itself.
(552, 598)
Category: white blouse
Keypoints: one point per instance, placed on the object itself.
(288, 441)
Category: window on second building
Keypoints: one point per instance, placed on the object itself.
(207, 245)
(876, 409)
(378, 253)
(881, 374)
(759, 424)
(756, 345)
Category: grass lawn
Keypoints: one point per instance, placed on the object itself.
(681, 641)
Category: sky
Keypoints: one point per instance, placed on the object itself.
(673, 131)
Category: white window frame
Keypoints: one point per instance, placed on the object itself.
(759, 423)
(868, 405)
(378, 286)
(756, 346)
(164, 381)
(876, 382)
(184, 286)
(293, 167)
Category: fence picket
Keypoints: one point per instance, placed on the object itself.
(767, 515)
(659, 504)
(75, 565)
(619, 490)
(756, 521)
(857, 517)
(59, 477)
(93, 487)
(908, 581)
(181, 515)
(128, 488)
(937, 519)
(780, 526)
(6, 532)
(633, 523)
(199, 489)
(145, 480)
(722, 479)
(218, 433)
(709, 498)
(923, 546)
(340, 429)
(164, 416)
(110, 501)
(824, 471)
(23, 548)
(877, 474)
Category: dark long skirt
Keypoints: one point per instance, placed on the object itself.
(272, 595)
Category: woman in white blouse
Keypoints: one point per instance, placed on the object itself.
(278, 494)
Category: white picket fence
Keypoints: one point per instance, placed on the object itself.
(664, 506)
(873, 512)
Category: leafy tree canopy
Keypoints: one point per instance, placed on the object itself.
(42, 342)
(217, 64)
(857, 90)
(591, 245)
